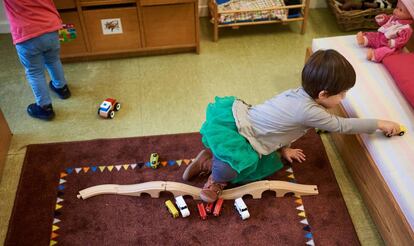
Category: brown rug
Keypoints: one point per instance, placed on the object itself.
(47, 212)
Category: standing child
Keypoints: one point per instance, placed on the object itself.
(242, 140)
(393, 35)
(34, 25)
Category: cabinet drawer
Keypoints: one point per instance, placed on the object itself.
(76, 46)
(113, 29)
(104, 2)
(65, 4)
(169, 25)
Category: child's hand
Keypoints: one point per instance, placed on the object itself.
(380, 18)
(389, 128)
(292, 154)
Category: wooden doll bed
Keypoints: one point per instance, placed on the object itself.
(383, 169)
(271, 11)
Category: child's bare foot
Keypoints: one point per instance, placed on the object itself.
(370, 54)
(360, 38)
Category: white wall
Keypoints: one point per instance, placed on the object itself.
(4, 24)
(203, 7)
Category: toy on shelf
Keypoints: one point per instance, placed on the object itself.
(182, 206)
(154, 160)
(241, 208)
(209, 207)
(67, 33)
(218, 207)
(171, 208)
(108, 107)
(201, 211)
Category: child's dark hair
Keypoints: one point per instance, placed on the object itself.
(327, 70)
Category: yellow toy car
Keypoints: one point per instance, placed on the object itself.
(172, 209)
(154, 162)
(403, 130)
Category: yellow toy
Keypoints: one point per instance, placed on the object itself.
(154, 160)
(403, 130)
(172, 209)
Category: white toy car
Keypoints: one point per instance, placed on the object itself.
(182, 206)
(241, 208)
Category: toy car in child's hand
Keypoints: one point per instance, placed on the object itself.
(403, 130)
(108, 108)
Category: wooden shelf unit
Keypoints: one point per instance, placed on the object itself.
(123, 28)
(215, 16)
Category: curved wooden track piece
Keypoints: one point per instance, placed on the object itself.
(154, 188)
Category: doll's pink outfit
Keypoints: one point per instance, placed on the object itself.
(391, 37)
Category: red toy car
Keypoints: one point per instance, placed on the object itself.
(201, 211)
(217, 208)
(108, 108)
(209, 207)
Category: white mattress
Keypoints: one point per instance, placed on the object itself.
(376, 96)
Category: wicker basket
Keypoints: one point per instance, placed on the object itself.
(356, 19)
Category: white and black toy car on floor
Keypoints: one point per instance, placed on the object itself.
(182, 206)
(241, 208)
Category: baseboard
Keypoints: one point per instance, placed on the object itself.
(4, 27)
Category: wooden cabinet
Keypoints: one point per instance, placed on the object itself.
(5, 139)
(117, 28)
(65, 4)
(169, 25)
(76, 47)
(113, 29)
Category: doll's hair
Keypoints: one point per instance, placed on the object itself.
(327, 70)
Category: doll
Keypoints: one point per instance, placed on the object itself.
(366, 4)
(392, 36)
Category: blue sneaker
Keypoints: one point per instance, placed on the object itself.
(43, 113)
(63, 92)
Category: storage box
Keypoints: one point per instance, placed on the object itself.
(356, 19)
(113, 29)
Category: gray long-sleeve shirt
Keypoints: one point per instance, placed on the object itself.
(286, 117)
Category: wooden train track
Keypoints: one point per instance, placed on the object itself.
(154, 188)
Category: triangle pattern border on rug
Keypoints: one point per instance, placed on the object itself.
(127, 167)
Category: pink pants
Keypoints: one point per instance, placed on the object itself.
(379, 43)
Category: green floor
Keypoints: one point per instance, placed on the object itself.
(167, 94)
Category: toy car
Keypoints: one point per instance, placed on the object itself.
(201, 211)
(241, 208)
(171, 208)
(182, 206)
(209, 207)
(403, 130)
(154, 162)
(217, 208)
(108, 107)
